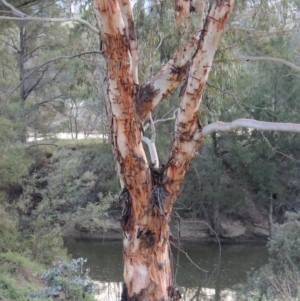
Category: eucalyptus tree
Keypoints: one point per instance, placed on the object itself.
(149, 189)
(29, 88)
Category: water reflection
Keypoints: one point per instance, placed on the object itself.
(111, 291)
(105, 263)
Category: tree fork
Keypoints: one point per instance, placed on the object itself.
(149, 192)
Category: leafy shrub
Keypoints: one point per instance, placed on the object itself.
(10, 290)
(46, 245)
(90, 218)
(285, 247)
(72, 178)
(67, 281)
(280, 278)
(11, 239)
(14, 159)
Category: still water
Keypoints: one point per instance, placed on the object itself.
(223, 270)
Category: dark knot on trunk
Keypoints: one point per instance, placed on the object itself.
(125, 201)
(158, 194)
(173, 293)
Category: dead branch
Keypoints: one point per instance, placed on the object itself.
(262, 58)
(46, 63)
(24, 18)
(246, 123)
(59, 20)
(15, 11)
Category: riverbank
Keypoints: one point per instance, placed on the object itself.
(193, 230)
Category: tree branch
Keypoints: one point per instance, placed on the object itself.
(127, 14)
(151, 142)
(126, 130)
(184, 145)
(266, 58)
(60, 20)
(171, 75)
(246, 123)
(157, 121)
(152, 151)
(15, 11)
(257, 34)
(48, 62)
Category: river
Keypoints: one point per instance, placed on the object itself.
(224, 269)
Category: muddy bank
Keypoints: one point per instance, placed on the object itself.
(186, 230)
(250, 226)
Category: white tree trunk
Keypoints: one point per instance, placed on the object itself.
(149, 192)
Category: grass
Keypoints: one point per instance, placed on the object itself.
(68, 142)
(18, 277)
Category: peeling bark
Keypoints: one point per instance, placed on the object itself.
(166, 80)
(185, 145)
(148, 192)
(182, 10)
(126, 9)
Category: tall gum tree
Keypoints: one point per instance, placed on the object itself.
(149, 192)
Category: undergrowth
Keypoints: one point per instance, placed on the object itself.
(280, 278)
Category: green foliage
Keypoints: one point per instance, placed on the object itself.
(46, 245)
(67, 281)
(10, 290)
(14, 161)
(70, 178)
(218, 186)
(22, 279)
(90, 218)
(284, 248)
(11, 239)
(280, 278)
(18, 276)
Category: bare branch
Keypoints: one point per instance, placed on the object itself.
(162, 120)
(15, 11)
(262, 58)
(268, 59)
(257, 34)
(48, 62)
(60, 20)
(151, 142)
(246, 123)
(157, 121)
(188, 257)
(153, 129)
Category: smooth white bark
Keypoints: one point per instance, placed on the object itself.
(246, 123)
(127, 14)
(152, 151)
